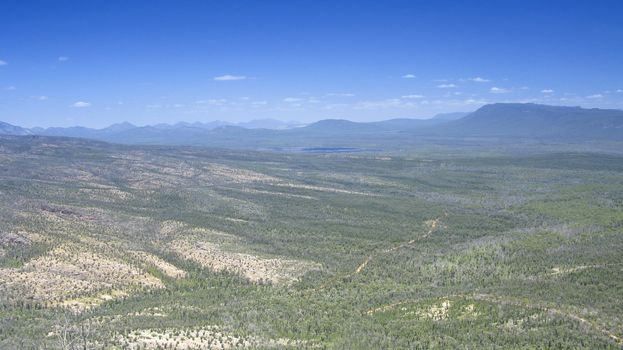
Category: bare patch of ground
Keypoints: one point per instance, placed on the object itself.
(561, 271)
(171, 227)
(210, 337)
(235, 219)
(254, 268)
(71, 276)
(436, 312)
(162, 265)
(80, 304)
(360, 179)
(177, 229)
(236, 175)
(150, 312)
(322, 189)
(279, 194)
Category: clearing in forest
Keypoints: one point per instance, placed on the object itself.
(253, 267)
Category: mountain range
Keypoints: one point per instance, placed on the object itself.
(538, 121)
(500, 120)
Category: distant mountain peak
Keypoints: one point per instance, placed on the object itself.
(9, 129)
(537, 120)
(120, 127)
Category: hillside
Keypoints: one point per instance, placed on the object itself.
(132, 247)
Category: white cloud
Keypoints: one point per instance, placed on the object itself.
(471, 101)
(412, 96)
(446, 86)
(333, 106)
(340, 94)
(10, 88)
(547, 91)
(382, 104)
(3, 63)
(498, 90)
(41, 98)
(228, 77)
(212, 102)
(620, 90)
(63, 58)
(480, 80)
(408, 76)
(595, 96)
(81, 104)
(153, 106)
(291, 99)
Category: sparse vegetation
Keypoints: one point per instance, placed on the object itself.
(113, 247)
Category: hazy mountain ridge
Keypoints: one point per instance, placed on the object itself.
(500, 120)
(450, 116)
(538, 121)
(8, 129)
(399, 124)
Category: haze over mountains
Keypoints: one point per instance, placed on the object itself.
(539, 121)
(500, 120)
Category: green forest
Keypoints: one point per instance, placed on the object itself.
(150, 247)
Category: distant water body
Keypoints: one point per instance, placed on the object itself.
(322, 149)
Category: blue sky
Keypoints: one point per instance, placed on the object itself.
(95, 63)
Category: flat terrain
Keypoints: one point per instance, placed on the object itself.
(136, 247)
